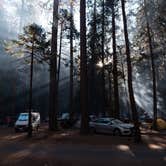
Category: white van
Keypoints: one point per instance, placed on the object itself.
(22, 121)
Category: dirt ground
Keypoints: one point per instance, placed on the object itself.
(69, 148)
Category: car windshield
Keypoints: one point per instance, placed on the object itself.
(104, 121)
(117, 121)
(23, 117)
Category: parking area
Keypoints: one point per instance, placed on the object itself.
(68, 147)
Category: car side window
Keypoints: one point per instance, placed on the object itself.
(102, 121)
(97, 121)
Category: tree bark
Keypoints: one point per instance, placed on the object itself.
(59, 59)
(103, 57)
(92, 76)
(137, 136)
(115, 72)
(71, 61)
(110, 94)
(53, 100)
(83, 71)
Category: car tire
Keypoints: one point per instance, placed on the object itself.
(117, 132)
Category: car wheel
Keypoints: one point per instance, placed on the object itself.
(117, 132)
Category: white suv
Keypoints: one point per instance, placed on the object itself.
(22, 121)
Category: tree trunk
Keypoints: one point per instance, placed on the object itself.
(59, 59)
(53, 87)
(14, 97)
(103, 57)
(115, 72)
(110, 94)
(92, 76)
(30, 91)
(153, 69)
(71, 61)
(83, 71)
(137, 136)
(59, 63)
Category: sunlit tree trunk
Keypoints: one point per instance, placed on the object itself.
(115, 72)
(153, 69)
(59, 58)
(59, 62)
(137, 136)
(83, 70)
(53, 100)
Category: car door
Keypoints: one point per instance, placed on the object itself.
(97, 125)
(108, 128)
(103, 126)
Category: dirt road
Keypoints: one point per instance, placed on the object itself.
(70, 149)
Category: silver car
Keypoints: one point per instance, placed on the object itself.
(111, 126)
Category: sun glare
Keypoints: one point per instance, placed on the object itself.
(106, 62)
(100, 64)
(155, 147)
(125, 148)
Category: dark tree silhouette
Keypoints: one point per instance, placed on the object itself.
(83, 70)
(71, 60)
(115, 72)
(103, 57)
(53, 87)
